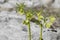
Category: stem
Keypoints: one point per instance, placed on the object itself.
(40, 32)
(29, 31)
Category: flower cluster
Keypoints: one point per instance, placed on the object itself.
(32, 14)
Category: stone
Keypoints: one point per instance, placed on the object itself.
(6, 7)
(49, 35)
(28, 3)
(2, 1)
(56, 4)
(3, 37)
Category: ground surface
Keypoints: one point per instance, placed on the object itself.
(11, 27)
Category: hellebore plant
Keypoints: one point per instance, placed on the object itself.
(30, 17)
(44, 22)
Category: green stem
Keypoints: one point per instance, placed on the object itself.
(29, 31)
(40, 32)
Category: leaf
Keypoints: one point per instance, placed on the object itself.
(39, 12)
(40, 17)
(17, 4)
(35, 21)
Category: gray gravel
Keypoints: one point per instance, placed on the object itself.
(12, 28)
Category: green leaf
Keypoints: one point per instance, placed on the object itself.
(40, 17)
(35, 21)
(39, 13)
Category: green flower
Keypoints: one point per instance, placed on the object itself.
(20, 8)
(40, 17)
(48, 25)
(21, 11)
(29, 15)
(52, 19)
(26, 22)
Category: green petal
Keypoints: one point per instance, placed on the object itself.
(52, 19)
(21, 13)
(26, 22)
(40, 17)
(48, 25)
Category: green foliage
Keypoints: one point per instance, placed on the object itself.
(30, 17)
(20, 8)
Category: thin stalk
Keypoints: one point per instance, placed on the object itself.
(29, 32)
(40, 33)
